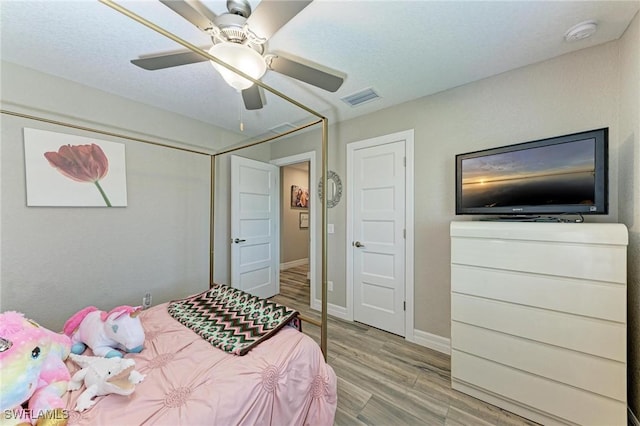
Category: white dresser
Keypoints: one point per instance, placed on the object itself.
(539, 319)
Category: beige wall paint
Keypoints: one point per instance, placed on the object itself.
(294, 242)
(629, 195)
(56, 261)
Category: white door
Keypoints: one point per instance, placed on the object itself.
(254, 226)
(378, 236)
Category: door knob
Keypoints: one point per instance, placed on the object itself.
(238, 240)
(358, 244)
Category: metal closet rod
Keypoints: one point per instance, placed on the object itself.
(102, 132)
(147, 141)
(269, 139)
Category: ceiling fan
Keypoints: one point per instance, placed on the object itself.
(239, 38)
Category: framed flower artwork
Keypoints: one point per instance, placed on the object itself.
(73, 171)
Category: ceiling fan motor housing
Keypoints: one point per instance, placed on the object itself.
(232, 28)
(239, 7)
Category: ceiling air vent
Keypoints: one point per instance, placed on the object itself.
(361, 97)
(282, 128)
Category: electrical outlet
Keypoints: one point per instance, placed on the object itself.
(146, 301)
(330, 285)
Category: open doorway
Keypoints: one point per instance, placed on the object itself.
(297, 237)
(294, 219)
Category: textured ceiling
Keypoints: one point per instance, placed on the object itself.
(402, 49)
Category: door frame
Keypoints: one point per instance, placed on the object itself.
(408, 137)
(309, 156)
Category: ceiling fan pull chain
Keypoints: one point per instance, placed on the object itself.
(241, 122)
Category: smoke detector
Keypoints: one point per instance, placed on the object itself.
(581, 31)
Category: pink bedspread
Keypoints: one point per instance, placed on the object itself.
(282, 381)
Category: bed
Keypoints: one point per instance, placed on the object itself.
(282, 380)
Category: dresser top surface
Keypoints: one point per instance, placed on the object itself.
(585, 233)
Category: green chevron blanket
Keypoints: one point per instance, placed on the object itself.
(231, 319)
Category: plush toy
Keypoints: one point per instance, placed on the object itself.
(103, 376)
(32, 369)
(104, 332)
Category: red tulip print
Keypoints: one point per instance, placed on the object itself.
(82, 163)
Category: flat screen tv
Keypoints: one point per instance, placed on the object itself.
(555, 176)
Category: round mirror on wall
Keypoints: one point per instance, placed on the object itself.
(334, 189)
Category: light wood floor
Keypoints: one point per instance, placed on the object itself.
(385, 380)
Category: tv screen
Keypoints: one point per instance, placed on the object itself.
(560, 175)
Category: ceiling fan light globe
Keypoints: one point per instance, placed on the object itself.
(241, 57)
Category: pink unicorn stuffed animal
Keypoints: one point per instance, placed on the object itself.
(32, 369)
(104, 332)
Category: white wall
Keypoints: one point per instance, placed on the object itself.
(629, 195)
(55, 261)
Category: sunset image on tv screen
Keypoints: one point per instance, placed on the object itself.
(547, 175)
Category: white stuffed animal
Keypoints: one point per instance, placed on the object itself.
(106, 333)
(103, 376)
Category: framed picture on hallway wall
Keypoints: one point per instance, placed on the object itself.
(304, 220)
(299, 197)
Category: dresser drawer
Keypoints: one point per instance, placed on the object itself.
(568, 403)
(591, 262)
(595, 299)
(596, 337)
(605, 377)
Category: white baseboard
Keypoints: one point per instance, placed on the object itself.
(337, 311)
(419, 337)
(333, 310)
(432, 341)
(293, 263)
(633, 420)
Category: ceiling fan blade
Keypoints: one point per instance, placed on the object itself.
(204, 10)
(271, 15)
(253, 97)
(192, 15)
(158, 62)
(329, 81)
